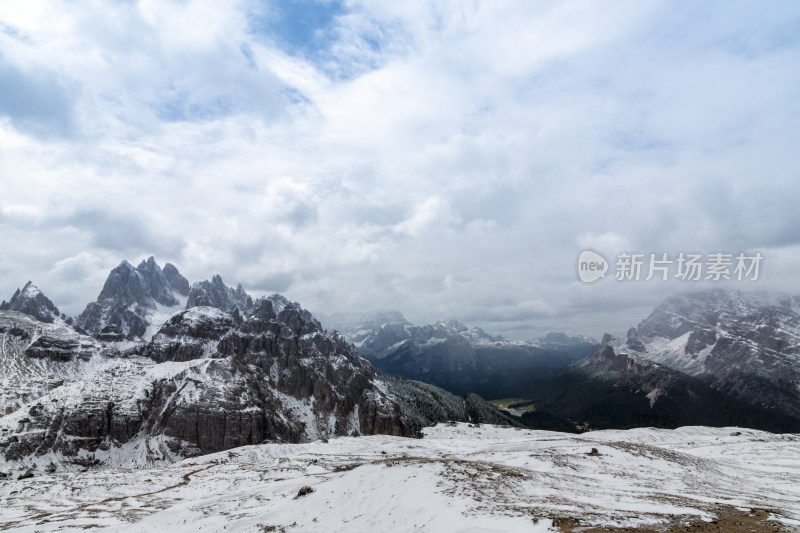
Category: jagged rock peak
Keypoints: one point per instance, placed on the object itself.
(131, 298)
(128, 285)
(31, 301)
(215, 293)
(604, 350)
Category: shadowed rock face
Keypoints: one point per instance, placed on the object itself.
(31, 301)
(178, 283)
(131, 296)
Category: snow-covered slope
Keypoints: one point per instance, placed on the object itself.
(36, 357)
(458, 478)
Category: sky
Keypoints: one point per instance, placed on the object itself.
(447, 159)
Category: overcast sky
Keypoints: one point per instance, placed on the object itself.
(448, 159)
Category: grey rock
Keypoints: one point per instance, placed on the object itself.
(178, 283)
(31, 301)
(37, 357)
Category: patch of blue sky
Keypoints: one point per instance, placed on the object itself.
(299, 27)
(313, 30)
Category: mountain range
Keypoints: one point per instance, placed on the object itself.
(712, 358)
(156, 370)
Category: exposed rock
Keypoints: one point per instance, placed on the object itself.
(31, 301)
(178, 283)
(37, 357)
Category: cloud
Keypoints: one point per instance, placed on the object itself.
(125, 233)
(36, 102)
(446, 159)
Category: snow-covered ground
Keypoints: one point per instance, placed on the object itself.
(457, 478)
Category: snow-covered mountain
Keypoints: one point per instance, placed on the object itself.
(745, 344)
(710, 358)
(458, 478)
(450, 354)
(31, 301)
(135, 302)
(207, 380)
(374, 333)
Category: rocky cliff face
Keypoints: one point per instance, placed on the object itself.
(31, 301)
(744, 344)
(134, 301)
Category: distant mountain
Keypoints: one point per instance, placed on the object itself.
(577, 347)
(450, 355)
(623, 390)
(375, 334)
(747, 345)
(31, 301)
(134, 302)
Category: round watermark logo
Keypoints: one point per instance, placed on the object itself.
(592, 266)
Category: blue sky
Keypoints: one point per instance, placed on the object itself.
(446, 159)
